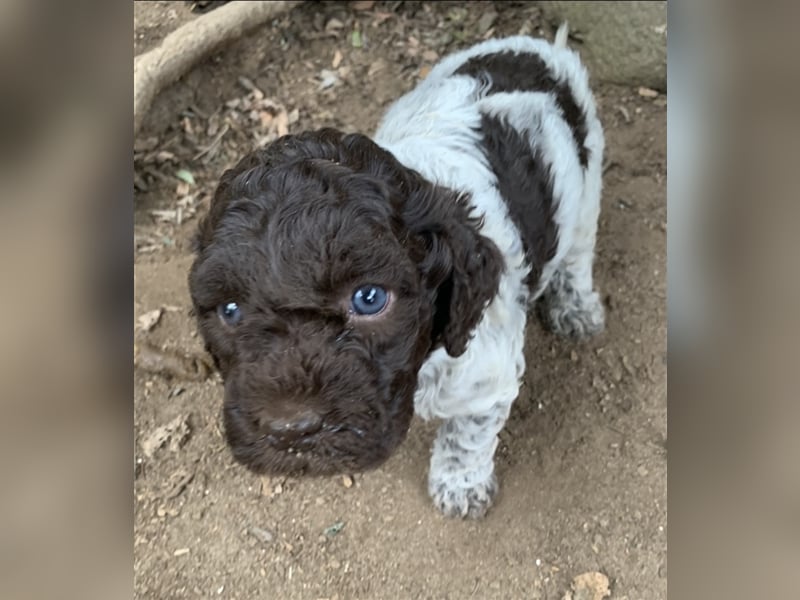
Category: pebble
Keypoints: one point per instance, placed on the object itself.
(262, 535)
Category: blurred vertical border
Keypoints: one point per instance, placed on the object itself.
(733, 299)
(66, 282)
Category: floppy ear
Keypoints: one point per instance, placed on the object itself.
(461, 266)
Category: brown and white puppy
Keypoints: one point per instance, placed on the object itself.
(342, 283)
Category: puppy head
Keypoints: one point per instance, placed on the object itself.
(325, 273)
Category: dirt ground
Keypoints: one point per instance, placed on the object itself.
(582, 461)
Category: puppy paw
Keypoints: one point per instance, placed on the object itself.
(463, 502)
(581, 317)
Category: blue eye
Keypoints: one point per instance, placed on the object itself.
(369, 300)
(229, 313)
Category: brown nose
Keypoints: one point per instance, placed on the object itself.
(292, 427)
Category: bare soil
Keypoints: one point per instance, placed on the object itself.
(582, 461)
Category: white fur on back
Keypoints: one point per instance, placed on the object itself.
(434, 130)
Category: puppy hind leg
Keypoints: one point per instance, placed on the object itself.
(569, 305)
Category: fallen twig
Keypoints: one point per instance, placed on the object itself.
(184, 47)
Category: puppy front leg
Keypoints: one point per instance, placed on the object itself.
(461, 480)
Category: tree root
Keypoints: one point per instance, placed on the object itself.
(184, 47)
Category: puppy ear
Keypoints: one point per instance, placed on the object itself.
(461, 267)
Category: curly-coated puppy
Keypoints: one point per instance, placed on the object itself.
(341, 283)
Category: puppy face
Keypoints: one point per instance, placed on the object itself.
(321, 284)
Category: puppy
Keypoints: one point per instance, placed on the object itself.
(341, 284)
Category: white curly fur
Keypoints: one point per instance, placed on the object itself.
(435, 130)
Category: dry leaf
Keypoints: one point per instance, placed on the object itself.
(380, 17)
(164, 216)
(164, 156)
(647, 92)
(175, 432)
(337, 59)
(182, 189)
(145, 145)
(378, 65)
(266, 119)
(150, 319)
(424, 71)
(329, 79)
(282, 123)
(266, 486)
(177, 483)
(170, 363)
(333, 26)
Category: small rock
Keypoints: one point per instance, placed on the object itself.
(333, 26)
(150, 319)
(347, 481)
(328, 79)
(334, 529)
(180, 552)
(589, 586)
(262, 535)
(266, 486)
(246, 83)
(486, 22)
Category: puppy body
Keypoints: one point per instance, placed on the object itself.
(441, 130)
(479, 195)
